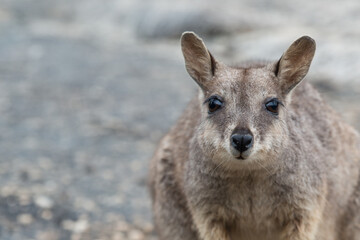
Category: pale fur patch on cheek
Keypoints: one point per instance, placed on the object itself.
(208, 137)
(214, 143)
(274, 138)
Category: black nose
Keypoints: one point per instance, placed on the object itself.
(241, 142)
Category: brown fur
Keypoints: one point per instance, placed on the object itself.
(300, 179)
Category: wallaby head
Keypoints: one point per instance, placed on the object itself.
(244, 109)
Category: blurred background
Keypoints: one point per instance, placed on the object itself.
(87, 89)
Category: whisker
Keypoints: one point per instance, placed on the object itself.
(263, 167)
(221, 163)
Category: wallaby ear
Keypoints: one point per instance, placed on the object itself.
(295, 63)
(198, 61)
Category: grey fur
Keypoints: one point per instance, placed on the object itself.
(300, 180)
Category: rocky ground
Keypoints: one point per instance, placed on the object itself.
(87, 88)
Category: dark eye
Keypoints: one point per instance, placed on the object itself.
(273, 106)
(214, 104)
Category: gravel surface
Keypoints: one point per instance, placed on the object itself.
(87, 88)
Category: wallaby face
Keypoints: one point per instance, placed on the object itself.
(244, 119)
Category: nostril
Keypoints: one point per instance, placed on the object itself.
(247, 140)
(235, 140)
(241, 142)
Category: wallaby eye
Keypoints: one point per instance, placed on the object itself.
(273, 106)
(214, 104)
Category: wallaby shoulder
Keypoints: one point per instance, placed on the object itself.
(173, 150)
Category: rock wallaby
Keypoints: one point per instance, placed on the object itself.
(257, 154)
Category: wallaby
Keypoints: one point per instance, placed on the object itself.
(257, 154)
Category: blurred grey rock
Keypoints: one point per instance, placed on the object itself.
(157, 22)
(43, 202)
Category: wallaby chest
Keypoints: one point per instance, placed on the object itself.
(256, 205)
